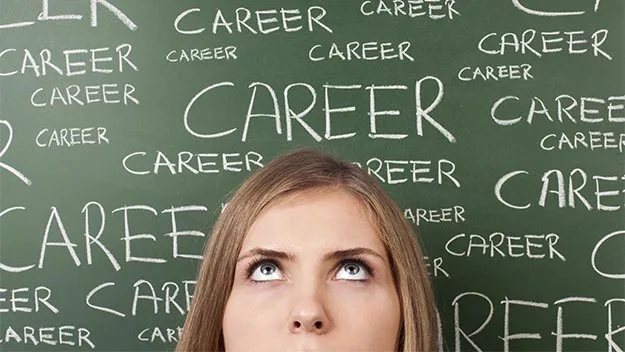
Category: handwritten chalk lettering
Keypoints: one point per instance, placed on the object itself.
(56, 218)
(26, 301)
(411, 171)
(498, 245)
(75, 62)
(175, 233)
(256, 22)
(513, 307)
(559, 333)
(423, 110)
(10, 268)
(368, 51)
(45, 16)
(94, 214)
(144, 236)
(75, 95)
(614, 328)
(54, 336)
(433, 9)
(205, 54)
(567, 109)
(453, 214)
(495, 73)
(160, 335)
(171, 298)
(593, 258)
(507, 336)
(88, 300)
(541, 43)
(374, 112)
(70, 137)
(458, 328)
(520, 5)
(3, 149)
(90, 239)
(142, 163)
(607, 190)
(435, 268)
(591, 140)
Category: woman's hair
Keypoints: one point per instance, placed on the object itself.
(298, 171)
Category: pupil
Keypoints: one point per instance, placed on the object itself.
(266, 270)
(353, 269)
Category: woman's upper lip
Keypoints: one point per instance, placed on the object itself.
(308, 348)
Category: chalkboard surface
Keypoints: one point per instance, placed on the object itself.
(497, 125)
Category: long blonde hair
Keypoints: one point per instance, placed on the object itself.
(294, 172)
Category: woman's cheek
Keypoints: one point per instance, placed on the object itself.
(248, 308)
(368, 300)
(354, 295)
(261, 296)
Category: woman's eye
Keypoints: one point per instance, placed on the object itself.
(352, 271)
(270, 271)
(266, 271)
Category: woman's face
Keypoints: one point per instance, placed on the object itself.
(312, 275)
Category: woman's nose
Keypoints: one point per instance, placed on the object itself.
(309, 315)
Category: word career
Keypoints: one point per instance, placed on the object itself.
(423, 110)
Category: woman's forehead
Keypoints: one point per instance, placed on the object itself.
(316, 219)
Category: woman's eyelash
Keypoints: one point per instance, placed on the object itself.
(254, 264)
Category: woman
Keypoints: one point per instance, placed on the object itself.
(311, 254)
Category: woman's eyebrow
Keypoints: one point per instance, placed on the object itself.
(267, 253)
(352, 252)
(334, 255)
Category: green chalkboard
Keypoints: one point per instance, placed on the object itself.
(497, 125)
